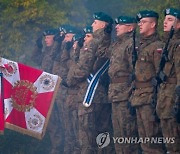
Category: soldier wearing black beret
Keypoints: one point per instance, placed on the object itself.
(43, 53)
(168, 104)
(146, 67)
(120, 72)
(92, 57)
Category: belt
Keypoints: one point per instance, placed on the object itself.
(143, 84)
(171, 80)
(121, 79)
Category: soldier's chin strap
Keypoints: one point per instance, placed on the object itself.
(94, 81)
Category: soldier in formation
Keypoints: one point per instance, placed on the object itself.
(105, 83)
(120, 71)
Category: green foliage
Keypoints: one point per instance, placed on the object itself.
(22, 21)
(116, 8)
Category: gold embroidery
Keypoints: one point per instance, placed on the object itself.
(35, 122)
(24, 94)
(47, 82)
(10, 69)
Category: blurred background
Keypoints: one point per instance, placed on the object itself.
(23, 21)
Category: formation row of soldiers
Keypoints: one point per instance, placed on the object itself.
(131, 98)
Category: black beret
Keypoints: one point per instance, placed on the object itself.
(125, 20)
(63, 27)
(172, 11)
(77, 37)
(69, 29)
(88, 29)
(50, 32)
(103, 17)
(146, 14)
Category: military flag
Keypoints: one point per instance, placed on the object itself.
(29, 95)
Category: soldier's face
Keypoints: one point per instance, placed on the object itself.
(170, 21)
(49, 40)
(146, 26)
(122, 29)
(97, 24)
(68, 37)
(88, 38)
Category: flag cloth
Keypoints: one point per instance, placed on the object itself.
(29, 96)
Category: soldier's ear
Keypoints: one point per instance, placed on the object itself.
(153, 24)
(103, 24)
(131, 28)
(178, 24)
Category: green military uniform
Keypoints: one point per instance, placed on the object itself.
(166, 96)
(44, 56)
(145, 69)
(72, 142)
(69, 57)
(89, 62)
(56, 122)
(120, 70)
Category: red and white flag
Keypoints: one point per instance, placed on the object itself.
(29, 96)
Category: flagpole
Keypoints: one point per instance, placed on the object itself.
(2, 90)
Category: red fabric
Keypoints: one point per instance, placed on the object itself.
(20, 93)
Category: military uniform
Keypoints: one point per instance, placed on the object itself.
(66, 60)
(44, 56)
(145, 69)
(56, 124)
(166, 96)
(120, 70)
(72, 142)
(90, 56)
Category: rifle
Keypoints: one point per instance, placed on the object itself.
(134, 54)
(161, 77)
(134, 59)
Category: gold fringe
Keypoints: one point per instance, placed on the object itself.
(23, 131)
(51, 106)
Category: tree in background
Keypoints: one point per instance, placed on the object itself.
(116, 8)
(22, 21)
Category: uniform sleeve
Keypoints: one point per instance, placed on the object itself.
(157, 56)
(37, 55)
(80, 71)
(103, 46)
(177, 63)
(128, 56)
(109, 51)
